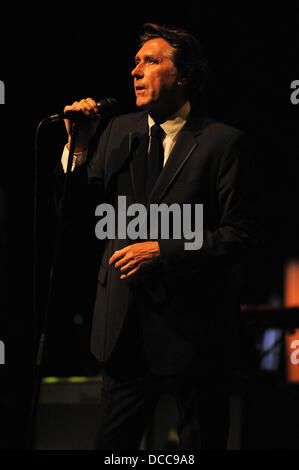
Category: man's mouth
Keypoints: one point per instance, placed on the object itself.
(139, 88)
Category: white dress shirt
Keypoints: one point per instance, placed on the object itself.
(171, 128)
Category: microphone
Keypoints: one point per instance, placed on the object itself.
(106, 106)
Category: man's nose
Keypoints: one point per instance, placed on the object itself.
(137, 72)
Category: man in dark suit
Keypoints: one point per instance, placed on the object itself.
(164, 316)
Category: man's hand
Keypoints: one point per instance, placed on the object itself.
(134, 258)
(88, 126)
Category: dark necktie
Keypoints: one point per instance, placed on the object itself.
(155, 158)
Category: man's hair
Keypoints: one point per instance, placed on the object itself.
(188, 59)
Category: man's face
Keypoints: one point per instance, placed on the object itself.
(155, 76)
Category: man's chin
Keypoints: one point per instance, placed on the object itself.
(143, 103)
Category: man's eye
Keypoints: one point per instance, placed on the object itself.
(151, 60)
(146, 60)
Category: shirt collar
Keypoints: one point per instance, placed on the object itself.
(176, 121)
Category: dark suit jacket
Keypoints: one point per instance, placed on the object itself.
(187, 304)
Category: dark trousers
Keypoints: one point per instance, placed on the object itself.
(130, 393)
(127, 406)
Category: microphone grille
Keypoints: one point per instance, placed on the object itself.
(108, 106)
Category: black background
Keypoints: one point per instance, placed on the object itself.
(51, 59)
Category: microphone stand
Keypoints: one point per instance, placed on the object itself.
(49, 303)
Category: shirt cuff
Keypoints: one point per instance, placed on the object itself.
(79, 159)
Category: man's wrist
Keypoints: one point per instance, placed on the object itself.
(79, 158)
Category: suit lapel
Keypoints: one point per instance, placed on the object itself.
(138, 148)
(134, 148)
(186, 143)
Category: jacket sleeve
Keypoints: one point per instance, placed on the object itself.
(85, 185)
